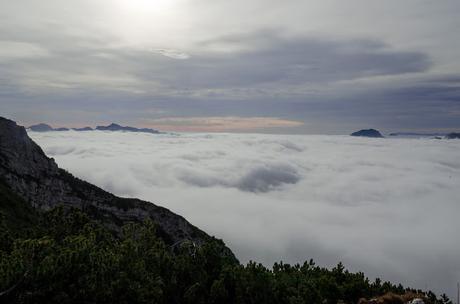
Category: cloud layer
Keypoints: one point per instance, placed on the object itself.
(387, 207)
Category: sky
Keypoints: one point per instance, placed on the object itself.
(386, 207)
(313, 67)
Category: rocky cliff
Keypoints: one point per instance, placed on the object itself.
(37, 179)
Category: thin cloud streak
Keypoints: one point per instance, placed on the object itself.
(220, 124)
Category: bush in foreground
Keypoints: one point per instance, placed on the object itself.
(67, 258)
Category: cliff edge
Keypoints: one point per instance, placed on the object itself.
(35, 178)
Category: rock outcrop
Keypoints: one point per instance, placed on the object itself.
(368, 133)
(37, 179)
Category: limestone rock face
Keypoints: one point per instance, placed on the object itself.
(26, 169)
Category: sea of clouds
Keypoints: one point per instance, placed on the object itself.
(387, 207)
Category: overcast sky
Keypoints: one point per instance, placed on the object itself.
(328, 66)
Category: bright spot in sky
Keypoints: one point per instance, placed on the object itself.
(148, 5)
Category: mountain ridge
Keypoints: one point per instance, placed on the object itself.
(37, 179)
(42, 127)
(117, 127)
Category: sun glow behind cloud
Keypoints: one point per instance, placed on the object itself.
(144, 23)
(140, 6)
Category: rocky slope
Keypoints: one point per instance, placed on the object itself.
(30, 174)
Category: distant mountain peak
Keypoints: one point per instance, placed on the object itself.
(41, 127)
(367, 133)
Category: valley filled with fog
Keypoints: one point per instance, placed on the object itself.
(387, 207)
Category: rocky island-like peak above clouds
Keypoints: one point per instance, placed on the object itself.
(453, 135)
(112, 127)
(27, 172)
(367, 133)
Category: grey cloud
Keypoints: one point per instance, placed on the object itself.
(11, 50)
(264, 179)
(57, 150)
(272, 59)
(261, 178)
(295, 60)
(303, 59)
(175, 54)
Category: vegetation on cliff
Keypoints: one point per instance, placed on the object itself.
(65, 257)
